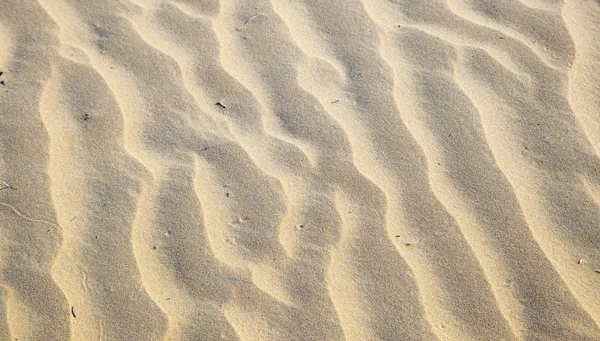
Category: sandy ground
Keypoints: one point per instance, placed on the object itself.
(300, 170)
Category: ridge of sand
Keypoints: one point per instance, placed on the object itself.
(300, 170)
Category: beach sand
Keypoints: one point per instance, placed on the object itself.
(300, 170)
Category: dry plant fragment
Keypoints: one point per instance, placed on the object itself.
(249, 20)
(5, 185)
(413, 242)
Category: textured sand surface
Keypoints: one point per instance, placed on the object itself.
(300, 170)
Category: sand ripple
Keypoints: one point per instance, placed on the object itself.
(299, 170)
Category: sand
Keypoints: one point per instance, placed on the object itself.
(300, 170)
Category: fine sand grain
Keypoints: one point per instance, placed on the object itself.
(300, 170)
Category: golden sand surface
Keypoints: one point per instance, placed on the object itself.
(300, 170)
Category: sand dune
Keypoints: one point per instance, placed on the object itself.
(300, 170)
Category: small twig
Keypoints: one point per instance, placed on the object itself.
(413, 243)
(73, 311)
(597, 270)
(337, 100)
(5, 185)
(249, 20)
(220, 105)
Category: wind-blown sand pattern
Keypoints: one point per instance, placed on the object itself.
(300, 170)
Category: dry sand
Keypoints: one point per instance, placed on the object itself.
(300, 170)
